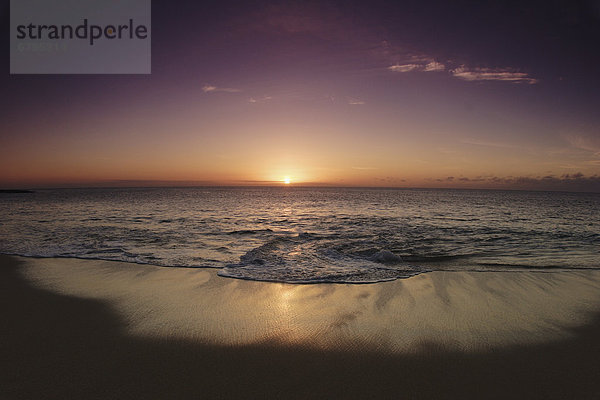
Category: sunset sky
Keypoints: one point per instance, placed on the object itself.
(400, 94)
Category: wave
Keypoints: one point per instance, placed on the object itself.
(386, 257)
(248, 231)
(306, 259)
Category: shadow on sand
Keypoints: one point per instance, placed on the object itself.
(59, 347)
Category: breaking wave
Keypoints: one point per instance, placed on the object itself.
(306, 259)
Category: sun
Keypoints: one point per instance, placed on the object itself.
(287, 180)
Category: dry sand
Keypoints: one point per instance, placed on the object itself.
(94, 329)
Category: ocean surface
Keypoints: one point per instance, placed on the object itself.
(308, 235)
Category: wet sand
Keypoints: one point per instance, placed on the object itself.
(93, 329)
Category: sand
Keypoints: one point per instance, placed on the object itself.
(94, 329)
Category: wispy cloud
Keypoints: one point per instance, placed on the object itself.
(404, 67)
(476, 142)
(584, 145)
(492, 74)
(403, 61)
(214, 89)
(423, 65)
(259, 99)
(428, 64)
(355, 102)
(434, 66)
(585, 142)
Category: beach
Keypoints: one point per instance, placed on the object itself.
(300, 200)
(99, 329)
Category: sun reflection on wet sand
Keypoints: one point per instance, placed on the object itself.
(466, 310)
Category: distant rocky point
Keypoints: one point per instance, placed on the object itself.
(15, 191)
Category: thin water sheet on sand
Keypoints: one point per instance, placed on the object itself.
(461, 310)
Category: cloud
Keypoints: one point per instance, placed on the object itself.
(484, 143)
(589, 143)
(476, 179)
(568, 182)
(405, 67)
(259, 99)
(421, 64)
(491, 74)
(355, 102)
(584, 146)
(434, 66)
(404, 61)
(214, 89)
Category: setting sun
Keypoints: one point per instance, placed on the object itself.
(287, 180)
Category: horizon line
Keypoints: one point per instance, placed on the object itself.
(277, 184)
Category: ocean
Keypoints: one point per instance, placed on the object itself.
(308, 235)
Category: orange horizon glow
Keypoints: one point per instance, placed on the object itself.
(258, 160)
(268, 153)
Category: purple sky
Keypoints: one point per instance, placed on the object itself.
(426, 94)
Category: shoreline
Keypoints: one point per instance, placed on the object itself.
(426, 270)
(83, 328)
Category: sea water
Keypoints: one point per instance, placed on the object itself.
(308, 235)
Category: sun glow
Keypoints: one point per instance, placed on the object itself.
(287, 180)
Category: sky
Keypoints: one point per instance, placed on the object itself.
(482, 94)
